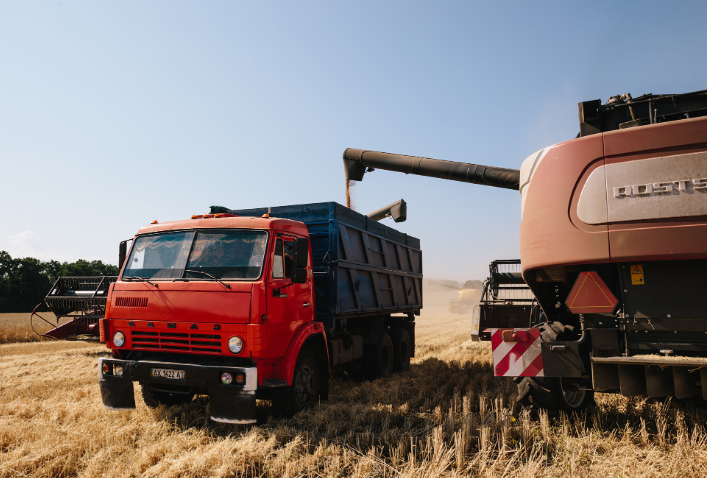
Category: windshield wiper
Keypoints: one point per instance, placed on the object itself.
(140, 279)
(208, 275)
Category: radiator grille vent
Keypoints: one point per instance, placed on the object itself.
(199, 343)
(134, 302)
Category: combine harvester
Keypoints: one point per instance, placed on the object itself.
(613, 243)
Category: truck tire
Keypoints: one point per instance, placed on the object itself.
(379, 357)
(154, 398)
(402, 348)
(553, 393)
(305, 389)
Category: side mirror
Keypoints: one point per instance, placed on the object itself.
(122, 252)
(301, 253)
(301, 259)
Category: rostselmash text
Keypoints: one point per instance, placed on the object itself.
(666, 187)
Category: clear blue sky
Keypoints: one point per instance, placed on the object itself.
(113, 114)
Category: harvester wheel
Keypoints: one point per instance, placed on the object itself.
(306, 386)
(401, 349)
(154, 398)
(379, 357)
(553, 393)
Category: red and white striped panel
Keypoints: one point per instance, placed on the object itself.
(517, 353)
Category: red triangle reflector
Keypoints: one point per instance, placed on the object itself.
(590, 295)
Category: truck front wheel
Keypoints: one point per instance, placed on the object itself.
(306, 386)
(154, 398)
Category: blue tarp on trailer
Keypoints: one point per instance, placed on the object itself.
(361, 267)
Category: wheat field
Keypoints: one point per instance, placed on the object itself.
(16, 328)
(447, 417)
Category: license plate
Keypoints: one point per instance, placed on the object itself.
(167, 373)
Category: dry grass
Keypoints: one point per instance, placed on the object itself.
(448, 417)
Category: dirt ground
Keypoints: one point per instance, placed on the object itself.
(447, 417)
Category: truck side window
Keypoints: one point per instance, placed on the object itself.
(289, 261)
(277, 265)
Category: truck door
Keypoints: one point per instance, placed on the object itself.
(289, 305)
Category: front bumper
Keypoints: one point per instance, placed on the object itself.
(227, 403)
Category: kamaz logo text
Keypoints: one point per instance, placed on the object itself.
(667, 187)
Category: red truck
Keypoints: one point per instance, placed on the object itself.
(258, 303)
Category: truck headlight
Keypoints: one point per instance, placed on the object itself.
(119, 339)
(235, 345)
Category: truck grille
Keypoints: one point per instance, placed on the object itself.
(175, 341)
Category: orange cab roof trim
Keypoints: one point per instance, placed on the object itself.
(238, 222)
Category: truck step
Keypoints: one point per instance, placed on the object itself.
(274, 382)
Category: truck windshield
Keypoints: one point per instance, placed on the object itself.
(232, 254)
(228, 254)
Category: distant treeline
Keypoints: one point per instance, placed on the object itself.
(25, 282)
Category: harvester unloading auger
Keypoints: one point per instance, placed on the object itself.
(613, 243)
(356, 162)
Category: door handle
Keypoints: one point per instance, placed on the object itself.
(306, 304)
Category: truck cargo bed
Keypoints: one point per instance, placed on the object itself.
(361, 267)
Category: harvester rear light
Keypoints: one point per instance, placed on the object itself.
(226, 378)
(107, 369)
(515, 335)
(240, 378)
(118, 370)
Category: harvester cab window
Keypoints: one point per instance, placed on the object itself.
(278, 270)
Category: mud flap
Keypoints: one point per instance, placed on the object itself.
(228, 405)
(117, 394)
(562, 359)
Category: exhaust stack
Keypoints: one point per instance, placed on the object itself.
(358, 161)
(397, 210)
